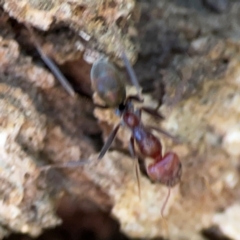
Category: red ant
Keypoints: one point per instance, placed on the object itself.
(111, 89)
(105, 81)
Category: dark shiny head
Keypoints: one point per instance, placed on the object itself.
(107, 83)
(167, 171)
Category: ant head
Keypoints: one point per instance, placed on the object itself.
(167, 170)
(107, 83)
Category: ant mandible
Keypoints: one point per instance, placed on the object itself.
(109, 87)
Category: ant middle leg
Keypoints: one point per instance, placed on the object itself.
(70, 164)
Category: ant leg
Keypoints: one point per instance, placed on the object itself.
(134, 98)
(136, 166)
(175, 139)
(109, 141)
(131, 73)
(149, 111)
(70, 164)
(100, 106)
(163, 207)
(51, 65)
(153, 112)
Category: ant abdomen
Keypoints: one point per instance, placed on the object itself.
(107, 83)
(166, 170)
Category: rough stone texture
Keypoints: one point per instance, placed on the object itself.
(91, 21)
(35, 130)
(228, 221)
(192, 52)
(23, 207)
(201, 107)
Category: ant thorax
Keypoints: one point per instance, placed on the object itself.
(110, 117)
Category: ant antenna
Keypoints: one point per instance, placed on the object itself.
(131, 73)
(51, 65)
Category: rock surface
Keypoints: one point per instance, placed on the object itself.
(187, 52)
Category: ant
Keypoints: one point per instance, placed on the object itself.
(109, 87)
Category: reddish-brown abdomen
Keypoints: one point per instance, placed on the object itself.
(166, 170)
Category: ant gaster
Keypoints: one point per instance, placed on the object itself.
(110, 88)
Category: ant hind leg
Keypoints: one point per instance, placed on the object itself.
(136, 166)
(162, 210)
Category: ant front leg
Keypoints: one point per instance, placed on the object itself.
(136, 166)
(109, 141)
